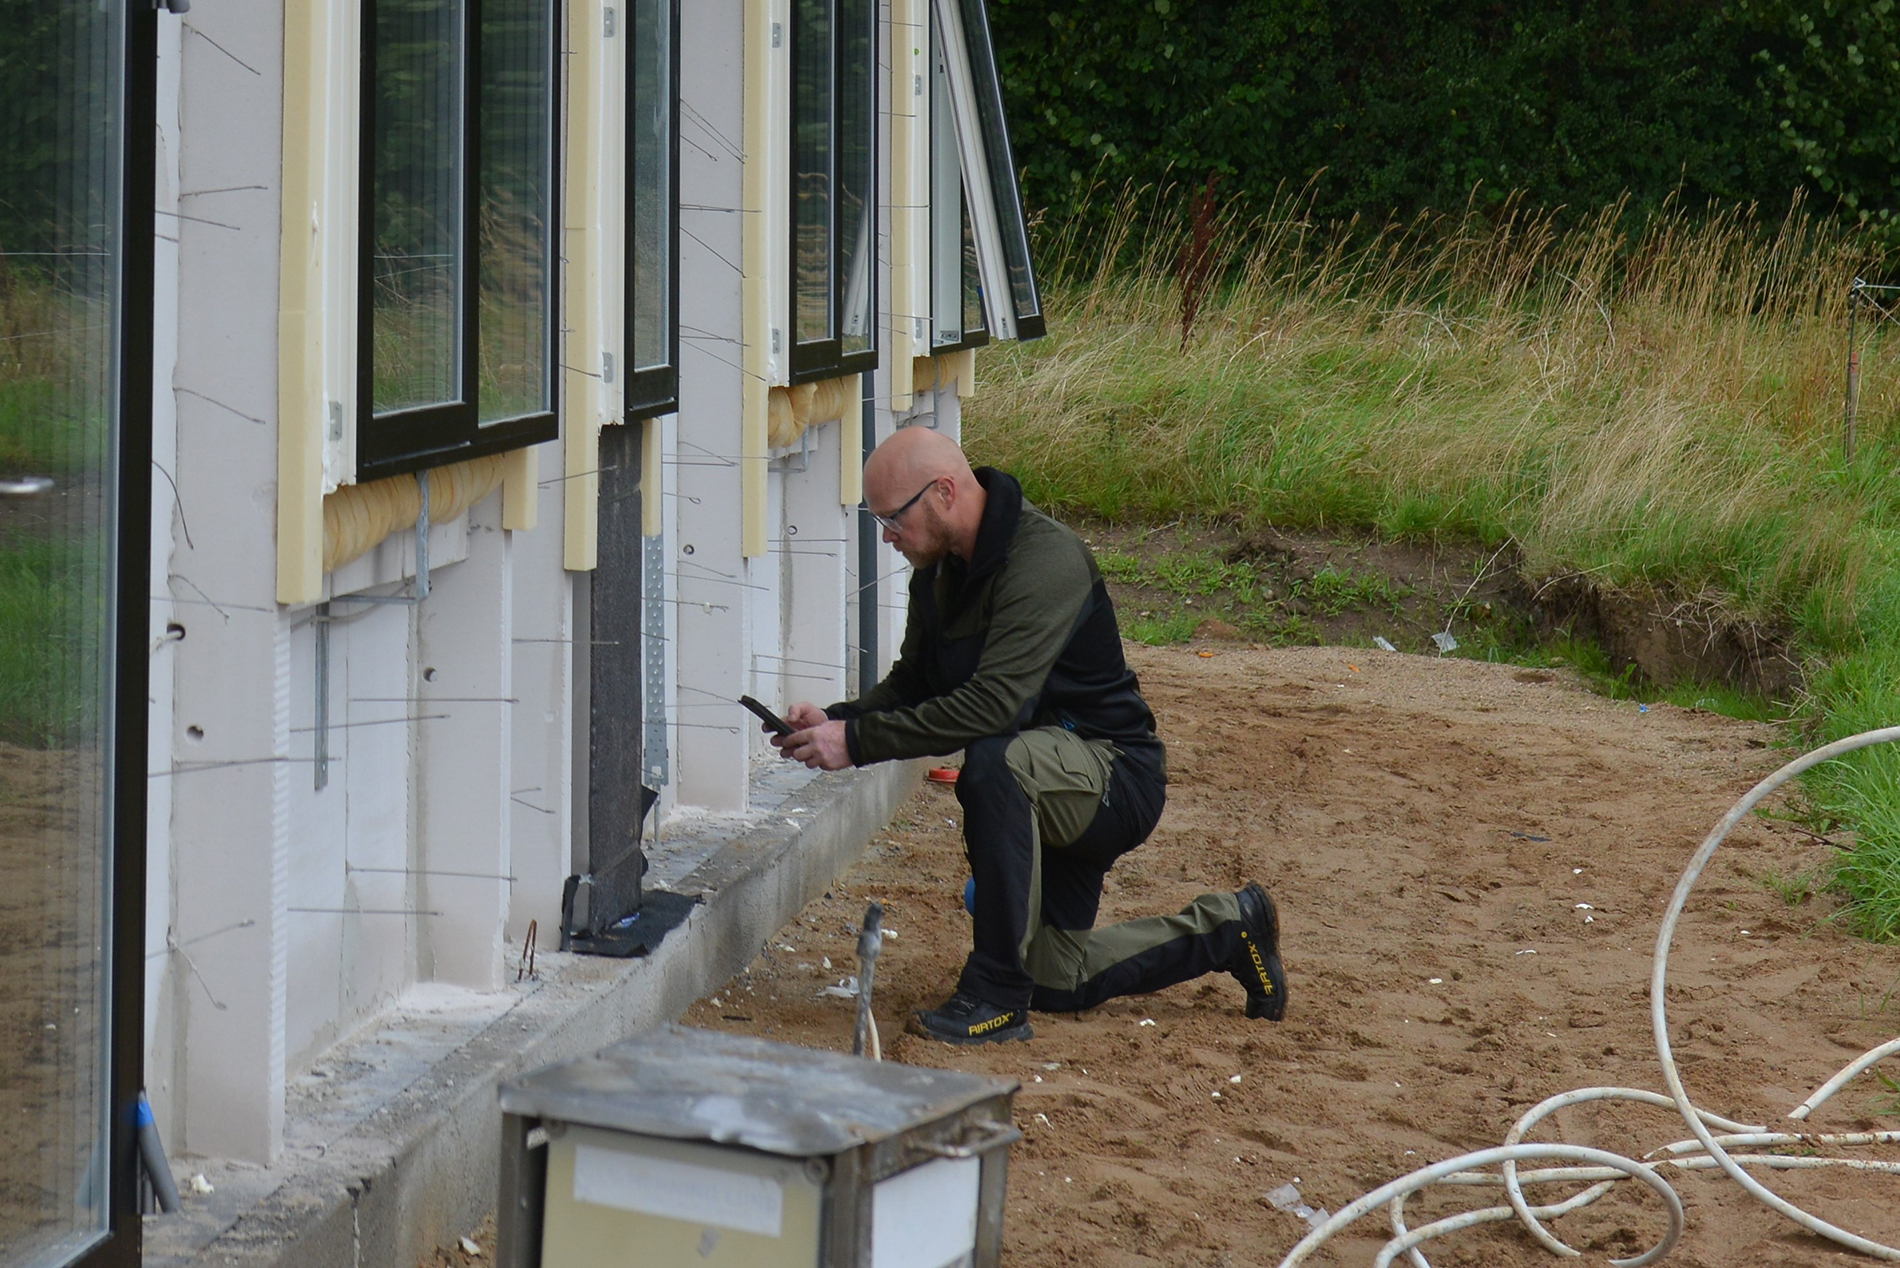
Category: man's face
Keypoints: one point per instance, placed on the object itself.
(912, 523)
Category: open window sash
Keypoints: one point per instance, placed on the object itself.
(956, 296)
(1011, 302)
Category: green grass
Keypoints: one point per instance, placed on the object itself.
(1175, 627)
(1196, 585)
(44, 432)
(1334, 590)
(1656, 405)
(52, 641)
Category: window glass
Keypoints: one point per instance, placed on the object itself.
(972, 286)
(650, 151)
(515, 207)
(417, 200)
(61, 149)
(857, 123)
(458, 279)
(946, 233)
(812, 122)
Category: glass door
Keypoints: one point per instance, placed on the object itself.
(74, 423)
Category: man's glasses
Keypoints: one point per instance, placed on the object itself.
(889, 522)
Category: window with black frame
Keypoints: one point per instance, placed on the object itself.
(652, 351)
(76, 122)
(456, 351)
(956, 296)
(834, 191)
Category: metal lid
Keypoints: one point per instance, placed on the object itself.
(687, 1084)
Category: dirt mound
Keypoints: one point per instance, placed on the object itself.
(1668, 640)
(1211, 582)
(1432, 829)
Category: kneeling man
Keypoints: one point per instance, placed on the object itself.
(1011, 653)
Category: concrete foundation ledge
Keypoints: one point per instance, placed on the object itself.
(392, 1139)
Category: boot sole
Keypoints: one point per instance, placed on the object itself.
(1007, 1034)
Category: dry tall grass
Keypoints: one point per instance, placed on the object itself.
(1659, 401)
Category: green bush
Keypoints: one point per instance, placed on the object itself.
(1394, 108)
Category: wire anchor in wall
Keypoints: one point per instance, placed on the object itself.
(418, 592)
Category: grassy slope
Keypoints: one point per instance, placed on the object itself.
(1658, 405)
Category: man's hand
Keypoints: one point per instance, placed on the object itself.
(819, 746)
(804, 715)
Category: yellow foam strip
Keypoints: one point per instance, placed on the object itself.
(359, 517)
(581, 404)
(851, 444)
(300, 404)
(962, 367)
(520, 492)
(652, 457)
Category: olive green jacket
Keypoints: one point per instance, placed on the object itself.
(1022, 635)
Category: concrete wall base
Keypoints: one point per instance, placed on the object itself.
(392, 1141)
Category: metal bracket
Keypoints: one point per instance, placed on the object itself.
(322, 719)
(784, 461)
(983, 1137)
(418, 592)
(653, 656)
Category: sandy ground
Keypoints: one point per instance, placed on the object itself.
(49, 1004)
(1430, 829)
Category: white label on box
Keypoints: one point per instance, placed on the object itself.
(679, 1190)
(926, 1217)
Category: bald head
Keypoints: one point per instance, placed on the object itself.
(910, 459)
(922, 477)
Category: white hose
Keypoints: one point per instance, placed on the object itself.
(1839, 1081)
(1488, 1157)
(1607, 1169)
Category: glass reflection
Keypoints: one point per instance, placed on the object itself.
(60, 148)
(812, 98)
(651, 154)
(516, 184)
(949, 229)
(417, 203)
(857, 106)
(974, 325)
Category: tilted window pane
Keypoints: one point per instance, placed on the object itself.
(416, 188)
(650, 151)
(973, 324)
(946, 206)
(812, 121)
(61, 146)
(516, 224)
(857, 195)
(1007, 195)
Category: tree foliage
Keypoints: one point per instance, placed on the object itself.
(1398, 105)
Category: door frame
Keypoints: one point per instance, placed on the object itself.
(131, 660)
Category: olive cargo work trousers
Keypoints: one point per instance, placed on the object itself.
(1045, 814)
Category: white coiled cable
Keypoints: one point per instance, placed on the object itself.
(1603, 1169)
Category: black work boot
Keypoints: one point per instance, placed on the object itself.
(965, 1019)
(1256, 962)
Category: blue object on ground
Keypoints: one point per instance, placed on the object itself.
(969, 895)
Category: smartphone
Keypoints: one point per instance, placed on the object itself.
(765, 715)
